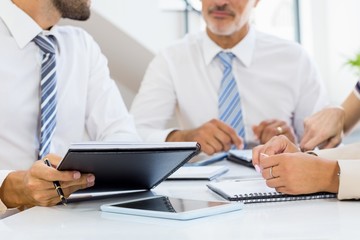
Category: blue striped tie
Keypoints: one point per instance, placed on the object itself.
(47, 92)
(229, 97)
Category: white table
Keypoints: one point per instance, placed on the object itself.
(311, 219)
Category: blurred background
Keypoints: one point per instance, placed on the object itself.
(131, 32)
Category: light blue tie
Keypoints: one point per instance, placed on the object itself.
(47, 92)
(229, 98)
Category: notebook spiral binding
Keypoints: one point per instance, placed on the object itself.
(279, 197)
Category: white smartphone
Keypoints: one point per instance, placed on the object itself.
(172, 208)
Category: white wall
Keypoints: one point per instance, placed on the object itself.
(331, 33)
(145, 21)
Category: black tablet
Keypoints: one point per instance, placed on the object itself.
(243, 157)
(128, 166)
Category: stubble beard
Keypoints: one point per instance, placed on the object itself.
(73, 9)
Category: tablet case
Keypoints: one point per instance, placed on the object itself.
(243, 157)
(119, 167)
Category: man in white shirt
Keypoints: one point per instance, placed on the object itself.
(89, 105)
(278, 84)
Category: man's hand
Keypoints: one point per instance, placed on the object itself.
(213, 136)
(273, 127)
(323, 129)
(34, 187)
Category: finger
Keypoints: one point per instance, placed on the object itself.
(311, 144)
(310, 140)
(256, 132)
(261, 127)
(54, 159)
(274, 129)
(275, 183)
(206, 148)
(304, 142)
(280, 144)
(86, 179)
(51, 174)
(269, 161)
(333, 142)
(256, 154)
(269, 172)
(231, 133)
(214, 144)
(224, 139)
(71, 189)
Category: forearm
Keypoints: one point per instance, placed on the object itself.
(352, 111)
(329, 173)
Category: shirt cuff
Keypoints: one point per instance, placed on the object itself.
(3, 175)
(155, 136)
(357, 90)
(349, 177)
(3, 208)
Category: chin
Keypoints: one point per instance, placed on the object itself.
(222, 31)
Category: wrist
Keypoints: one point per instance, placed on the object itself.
(177, 136)
(332, 176)
(173, 136)
(12, 191)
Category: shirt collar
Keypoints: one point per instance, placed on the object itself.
(20, 25)
(244, 50)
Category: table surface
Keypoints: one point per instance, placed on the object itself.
(309, 219)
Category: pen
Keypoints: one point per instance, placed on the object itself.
(57, 185)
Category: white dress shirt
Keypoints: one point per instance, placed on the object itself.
(275, 77)
(89, 107)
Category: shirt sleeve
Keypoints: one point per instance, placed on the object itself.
(357, 89)
(4, 211)
(154, 105)
(349, 179)
(2, 208)
(107, 116)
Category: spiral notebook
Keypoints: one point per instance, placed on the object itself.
(256, 190)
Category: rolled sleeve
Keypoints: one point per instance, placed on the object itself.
(357, 89)
(152, 135)
(3, 175)
(349, 179)
(2, 208)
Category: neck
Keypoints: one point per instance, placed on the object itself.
(228, 41)
(42, 12)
